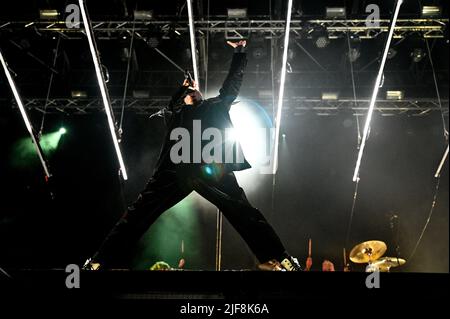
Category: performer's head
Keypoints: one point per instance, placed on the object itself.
(193, 97)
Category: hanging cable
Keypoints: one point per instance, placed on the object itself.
(352, 213)
(438, 94)
(41, 129)
(130, 52)
(433, 205)
(355, 194)
(355, 102)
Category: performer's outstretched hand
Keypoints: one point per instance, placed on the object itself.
(193, 85)
(237, 44)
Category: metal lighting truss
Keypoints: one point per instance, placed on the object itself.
(293, 106)
(428, 28)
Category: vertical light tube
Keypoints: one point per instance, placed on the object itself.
(25, 116)
(441, 165)
(282, 84)
(103, 89)
(193, 45)
(376, 90)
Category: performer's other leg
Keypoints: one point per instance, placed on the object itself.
(230, 198)
(161, 193)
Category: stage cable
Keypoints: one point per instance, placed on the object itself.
(438, 178)
(355, 193)
(433, 205)
(55, 59)
(130, 52)
(122, 113)
(352, 213)
(354, 91)
(438, 94)
(50, 84)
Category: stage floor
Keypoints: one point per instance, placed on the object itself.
(224, 285)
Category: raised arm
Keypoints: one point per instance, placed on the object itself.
(230, 88)
(178, 96)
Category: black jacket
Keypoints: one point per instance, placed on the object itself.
(213, 113)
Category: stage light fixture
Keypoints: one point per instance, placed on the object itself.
(392, 53)
(330, 96)
(78, 94)
(282, 84)
(418, 55)
(376, 90)
(237, 13)
(321, 38)
(143, 15)
(153, 41)
(24, 114)
(431, 11)
(62, 130)
(193, 44)
(48, 14)
(395, 95)
(103, 88)
(141, 94)
(336, 12)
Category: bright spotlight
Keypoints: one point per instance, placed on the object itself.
(252, 129)
(431, 11)
(62, 131)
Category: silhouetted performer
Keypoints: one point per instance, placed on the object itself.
(172, 182)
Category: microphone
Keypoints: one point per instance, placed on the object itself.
(188, 76)
(157, 114)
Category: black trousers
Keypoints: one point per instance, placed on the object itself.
(165, 189)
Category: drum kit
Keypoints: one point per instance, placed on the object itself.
(371, 253)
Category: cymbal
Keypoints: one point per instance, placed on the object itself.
(368, 251)
(385, 263)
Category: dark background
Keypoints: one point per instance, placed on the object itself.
(314, 188)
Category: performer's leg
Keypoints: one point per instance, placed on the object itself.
(162, 192)
(247, 220)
